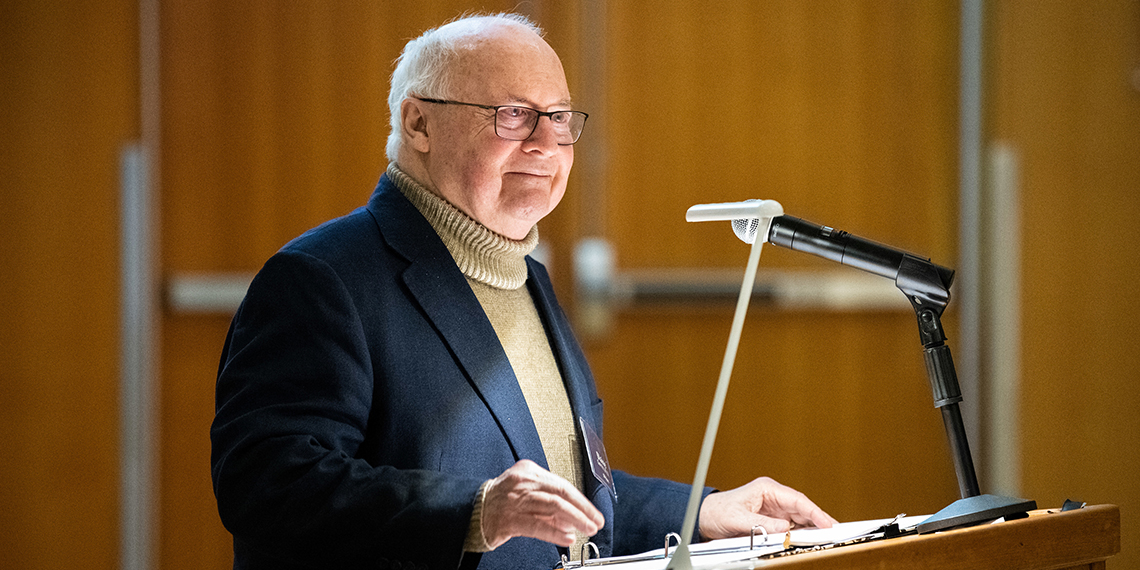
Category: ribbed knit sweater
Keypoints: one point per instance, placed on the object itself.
(495, 268)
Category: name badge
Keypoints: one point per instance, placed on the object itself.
(599, 465)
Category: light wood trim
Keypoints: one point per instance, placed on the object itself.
(1083, 538)
(842, 290)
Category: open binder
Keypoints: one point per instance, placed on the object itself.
(743, 552)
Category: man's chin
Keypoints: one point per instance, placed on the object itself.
(517, 225)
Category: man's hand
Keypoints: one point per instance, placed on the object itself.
(527, 500)
(762, 502)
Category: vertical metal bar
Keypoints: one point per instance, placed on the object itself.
(1002, 323)
(592, 156)
(136, 335)
(138, 313)
(960, 450)
(593, 302)
(967, 288)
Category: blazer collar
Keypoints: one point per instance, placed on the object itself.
(443, 293)
(575, 374)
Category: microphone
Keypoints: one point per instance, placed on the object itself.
(745, 216)
(823, 241)
(847, 249)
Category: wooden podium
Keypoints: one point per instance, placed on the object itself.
(1046, 540)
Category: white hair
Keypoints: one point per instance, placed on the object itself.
(424, 67)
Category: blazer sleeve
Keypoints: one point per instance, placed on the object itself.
(294, 393)
(647, 510)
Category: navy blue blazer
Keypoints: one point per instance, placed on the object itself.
(363, 397)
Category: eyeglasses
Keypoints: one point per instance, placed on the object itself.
(517, 123)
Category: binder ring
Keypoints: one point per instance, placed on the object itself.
(667, 537)
(584, 555)
(752, 535)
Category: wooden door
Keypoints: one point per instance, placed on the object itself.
(846, 113)
(1066, 99)
(68, 107)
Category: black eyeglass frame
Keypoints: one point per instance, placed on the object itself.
(496, 108)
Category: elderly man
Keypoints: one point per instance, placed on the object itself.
(400, 387)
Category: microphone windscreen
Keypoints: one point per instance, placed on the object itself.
(746, 229)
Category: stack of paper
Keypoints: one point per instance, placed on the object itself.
(743, 552)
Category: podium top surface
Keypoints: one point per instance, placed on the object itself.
(1046, 540)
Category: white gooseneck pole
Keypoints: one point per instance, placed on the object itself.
(681, 558)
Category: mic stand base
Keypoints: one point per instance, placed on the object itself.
(928, 291)
(974, 510)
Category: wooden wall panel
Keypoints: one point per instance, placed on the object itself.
(67, 106)
(846, 418)
(846, 113)
(191, 534)
(1067, 99)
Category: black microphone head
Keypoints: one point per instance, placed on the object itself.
(746, 229)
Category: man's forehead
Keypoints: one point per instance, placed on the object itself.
(504, 40)
(515, 66)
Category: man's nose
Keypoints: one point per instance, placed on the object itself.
(544, 137)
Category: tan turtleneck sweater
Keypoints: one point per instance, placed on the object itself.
(496, 270)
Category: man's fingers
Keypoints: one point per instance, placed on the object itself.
(527, 500)
(586, 511)
(817, 518)
(762, 501)
(796, 507)
(770, 524)
(545, 516)
(555, 521)
(552, 509)
(573, 501)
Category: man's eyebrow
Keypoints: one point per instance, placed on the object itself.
(523, 100)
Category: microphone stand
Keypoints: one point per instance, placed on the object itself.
(928, 291)
(760, 223)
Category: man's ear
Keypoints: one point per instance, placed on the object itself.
(414, 124)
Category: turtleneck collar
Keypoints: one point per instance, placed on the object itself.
(481, 254)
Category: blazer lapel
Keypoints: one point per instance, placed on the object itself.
(442, 291)
(579, 387)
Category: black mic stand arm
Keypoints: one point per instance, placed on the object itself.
(927, 287)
